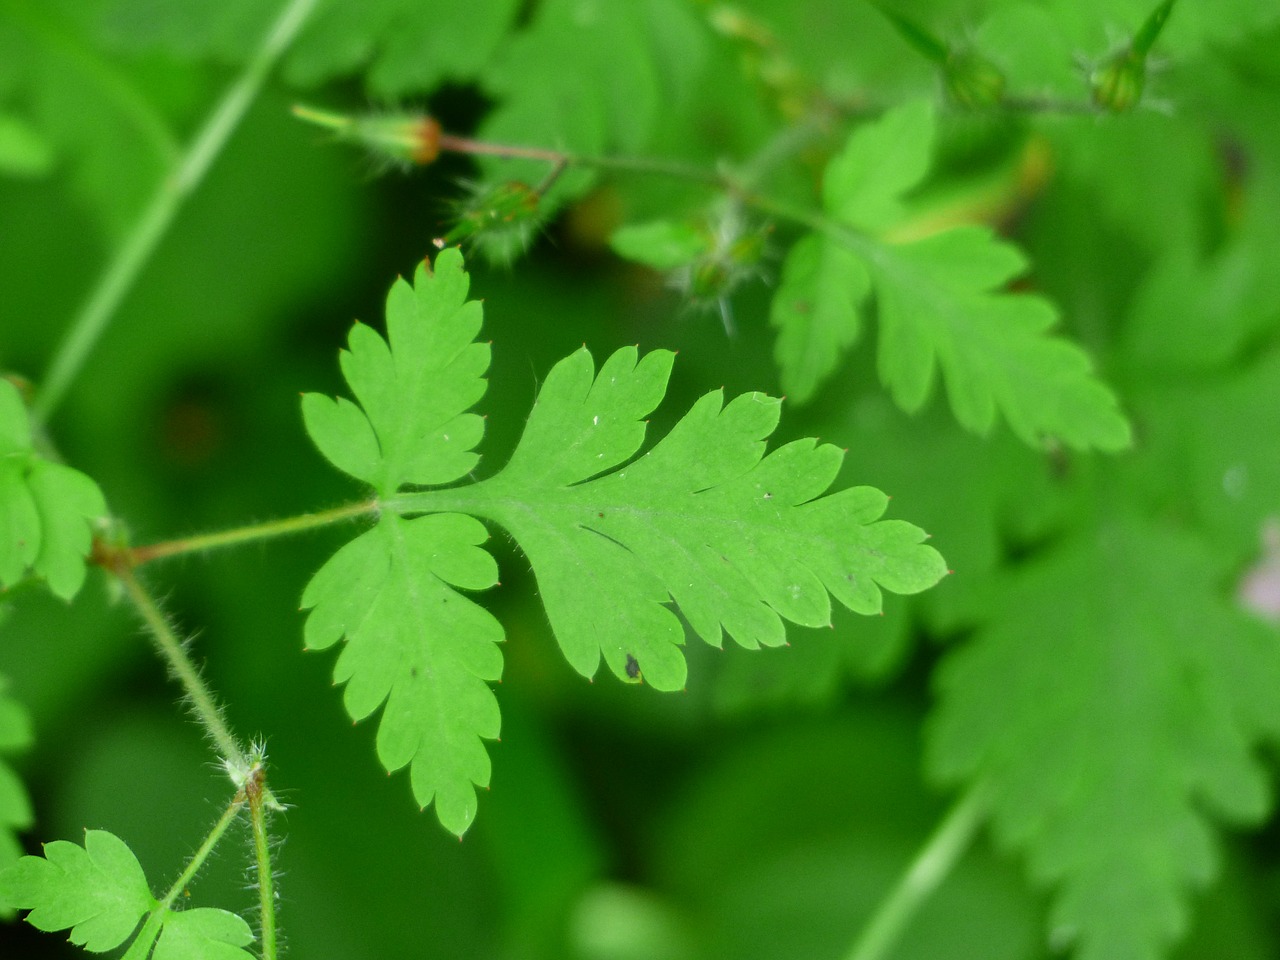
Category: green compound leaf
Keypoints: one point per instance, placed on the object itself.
(863, 184)
(937, 307)
(98, 890)
(816, 311)
(46, 509)
(737, 540)
(1110, 725)
(941, 305)
(418, 645)
(412, 640)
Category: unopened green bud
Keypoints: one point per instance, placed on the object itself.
(500, 219)
(709, 279)
(972, 80)
(411, 138)
(1117, 85)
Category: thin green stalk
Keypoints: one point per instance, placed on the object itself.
(258, 531)
(259, 801)
(151, 929)
(931, 866)
(197, 860)
(123, 270)
(198, 693)
(669, 168)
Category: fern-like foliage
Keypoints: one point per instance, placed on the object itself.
(46, 508)
(940, 304)
(99, 892)
(739, 541)
(1111, 726)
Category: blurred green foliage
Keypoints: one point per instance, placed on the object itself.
(1105, 652)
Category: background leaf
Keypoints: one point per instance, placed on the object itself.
(940, 304)
(46, 509)
(1107, 728)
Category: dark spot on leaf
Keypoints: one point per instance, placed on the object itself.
(633, 667)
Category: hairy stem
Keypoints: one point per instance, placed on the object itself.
(259, 802)
(199, 696)
(136, 556)
(123, 269)
(930, 867)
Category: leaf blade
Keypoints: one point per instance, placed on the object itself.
(97, 890)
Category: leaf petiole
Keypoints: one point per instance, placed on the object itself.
(136, 556)
(936, 859)
(155, 919)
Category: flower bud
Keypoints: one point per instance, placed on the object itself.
(972, 81)
(399, 139)
(1116, 86)
(500, 219)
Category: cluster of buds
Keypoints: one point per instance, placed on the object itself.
(973, 81)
